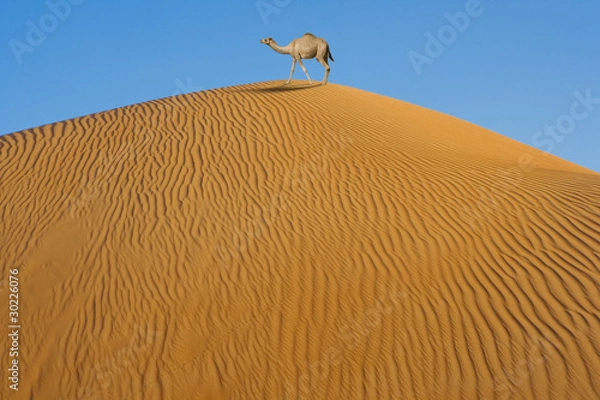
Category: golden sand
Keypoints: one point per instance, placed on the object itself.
(292, 242)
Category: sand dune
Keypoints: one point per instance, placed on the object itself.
(270, 242)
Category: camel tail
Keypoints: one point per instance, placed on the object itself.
(330, 56)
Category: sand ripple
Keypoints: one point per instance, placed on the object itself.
(302, 243)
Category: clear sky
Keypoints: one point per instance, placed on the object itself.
(529, 70)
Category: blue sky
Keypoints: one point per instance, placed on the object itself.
(528, 70)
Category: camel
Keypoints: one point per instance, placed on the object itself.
(307, 47)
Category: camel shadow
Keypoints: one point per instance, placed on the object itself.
(288, 87)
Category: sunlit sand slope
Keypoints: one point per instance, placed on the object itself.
(292, 242)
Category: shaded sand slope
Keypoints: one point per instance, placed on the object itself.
(323, 243)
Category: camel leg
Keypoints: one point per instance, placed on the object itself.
(327, 69)
(292, 72)
(305, 71)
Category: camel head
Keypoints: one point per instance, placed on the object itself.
(267, 41)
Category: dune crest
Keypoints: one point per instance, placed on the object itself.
(294, 242)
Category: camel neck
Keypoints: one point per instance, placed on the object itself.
(280, 49)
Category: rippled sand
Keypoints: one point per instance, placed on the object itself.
(293, 242)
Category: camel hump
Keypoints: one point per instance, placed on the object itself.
(309, 34)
